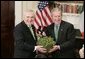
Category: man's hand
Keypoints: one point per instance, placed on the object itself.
(40, 49)
(81, 52)
(56, 47)
(39, 34)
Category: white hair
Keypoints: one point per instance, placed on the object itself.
(27, 11)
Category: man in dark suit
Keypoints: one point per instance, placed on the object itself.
(63, 34)
(25, 38)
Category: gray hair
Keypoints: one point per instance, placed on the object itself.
(28, 11)
(56, 9)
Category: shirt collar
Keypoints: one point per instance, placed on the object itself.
(56, 24)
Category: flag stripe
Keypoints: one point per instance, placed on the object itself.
(48, 11)
(47, 19)
(40, 17)
(43, 18)
(38, 20)
(45, 10)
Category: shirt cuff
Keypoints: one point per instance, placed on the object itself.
(34, 49)
(58, 47)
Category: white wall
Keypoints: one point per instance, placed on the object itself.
(82, 22)
(18, 12)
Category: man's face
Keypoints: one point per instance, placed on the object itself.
(28, 18)
(56, 17)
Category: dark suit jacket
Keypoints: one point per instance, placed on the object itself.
(66, 39)
(24, 41)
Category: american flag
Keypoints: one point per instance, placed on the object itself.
(43, 16)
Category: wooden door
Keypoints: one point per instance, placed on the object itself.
(7, 26)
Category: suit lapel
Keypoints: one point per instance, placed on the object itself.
(52, 31)
(60, 31)
(26, 28)
(34, 32)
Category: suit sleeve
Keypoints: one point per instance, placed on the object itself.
(19, 40)
(47, 31)
(70, 37)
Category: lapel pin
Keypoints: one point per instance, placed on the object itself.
(61, 29)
